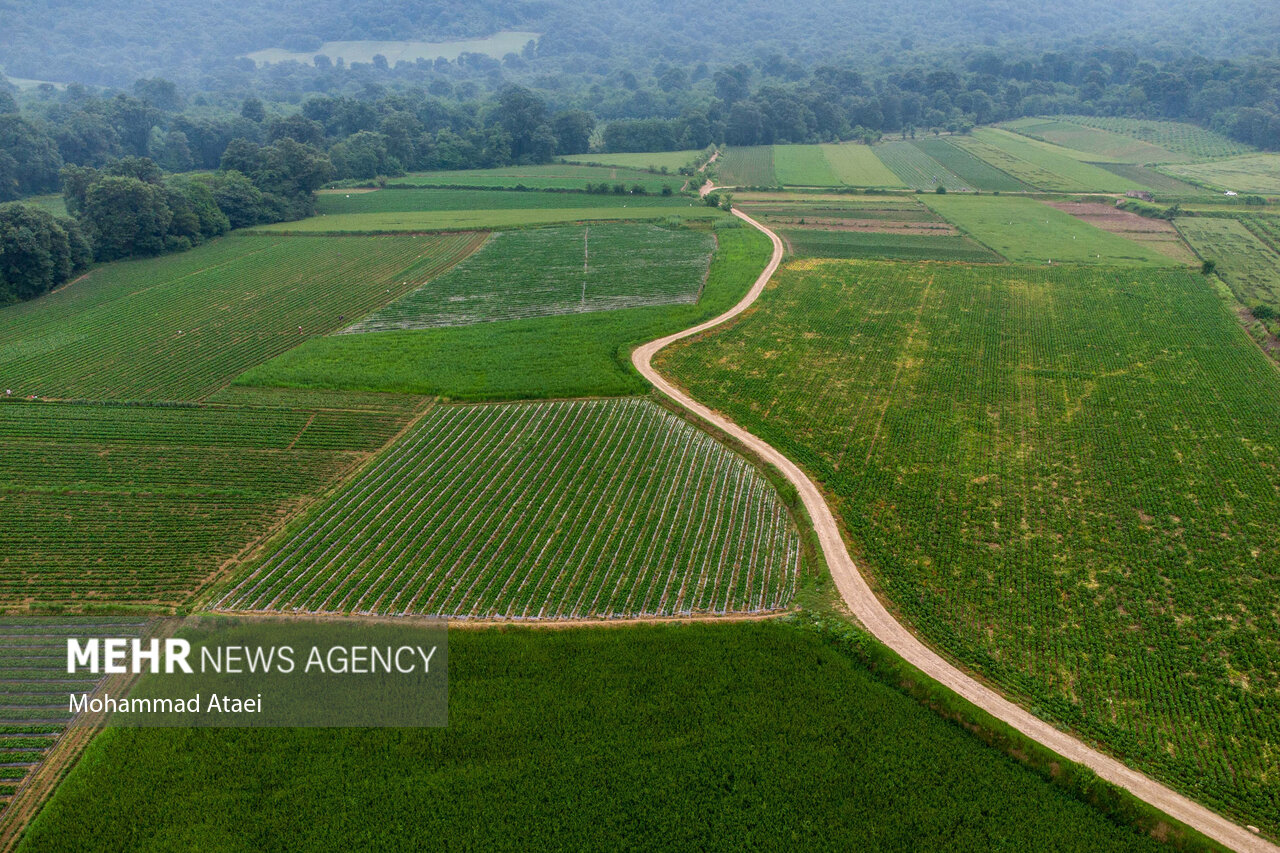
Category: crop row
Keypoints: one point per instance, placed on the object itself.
(746, 167)
(540, 511)
(177, 330)
(1065, 477)
(545, 272)
(917, 169)
(1173, 135)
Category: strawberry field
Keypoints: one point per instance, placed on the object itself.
(539, 511)
(549, 271)
(1065, 478)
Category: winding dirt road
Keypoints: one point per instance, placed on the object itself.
(873, 615)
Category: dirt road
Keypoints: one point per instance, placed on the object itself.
(873, 615)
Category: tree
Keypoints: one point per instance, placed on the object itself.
(523, 116)
(126, 216)
(159, 93)
(296, 127)
(572, 129)
(32, 161)
(253, 110)
(37, 252)
(175, 153)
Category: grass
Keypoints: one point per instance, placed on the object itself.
(1064, 477)
(689, 735)
(1252, 173)
(970, 169)
(917, 169)
(565, 356)
(446, 201)
(1249, 266)
(803, 166)
(52, 203)
(653, 161)
(546, 271)
(858, 166)
(746, 167)
(562, 176)
(1026, 231)
(179, 327)
(1180, 137)
(580, 509)
(813, 243)
(1095, 144)
(1039, 164)
(141, 504)
(497, 45)
(439, 220)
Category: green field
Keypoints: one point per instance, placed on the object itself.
(546, 271)
(140, 503)
(1250, 267)
(858, 166)
(970, 169)
(917, 169)
(497, 45)
(803, 166)
(33, 712)
(561, 510)
(696, 737)
(1026, 231)
(1063, 477)
(564, 356)
(652, 161)
(1253, 173)
(1151, 179)
(561, 176)
(746, 167)
(1047, 167)
(1176, 136)
(813, 243)
(1095, 144)
(181, 326)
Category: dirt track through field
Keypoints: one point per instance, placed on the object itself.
(876, 618)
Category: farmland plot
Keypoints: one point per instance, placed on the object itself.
(917, 169)
(1093, 144)
(544, 272)
(1064, 477)
(803, 166)
(141, 504)
(1157, 234)
(1040, 164)
(652, 161)
(539, 511)
(1254, 173)
(560, 176)
(1175, 136)
(1250, 267)
(976, 172)
(858, 166)
(746, 167)
(34, 687)
(181, 326)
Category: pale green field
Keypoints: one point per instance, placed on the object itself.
(803, 166)
(469, 220)
(858, 166)
(1253, 173)
(1040, 164)
(1093, 144)
(653, 161)
(1027, 231)
(496, 45)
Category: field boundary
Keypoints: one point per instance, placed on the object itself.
(872, 613)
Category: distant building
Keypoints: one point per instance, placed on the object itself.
(1142, 194)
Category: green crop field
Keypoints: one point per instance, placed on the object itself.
(462, 202)
(1151, 179)
(803, 166)
(917, 169)
(435, 221)
(1250, 267)
(33, 699)
(746, 167)
(181, 326)
(1095, 144)
(702, 737)
(1180, 137)
(858, 166)
(541, 272)
(814, 243)
(1253, 173)
(141, 503)
(1064, 477)
(1027, 231)
(970, 169)
(557, 510)
(1040, 164)
(652, 161)
(561, 356)
(561, 176)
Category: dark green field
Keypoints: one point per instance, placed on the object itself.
(1064, 477)
(751, 736)
(565, 356)
(814, 243)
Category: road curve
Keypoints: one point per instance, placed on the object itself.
(873, 615)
